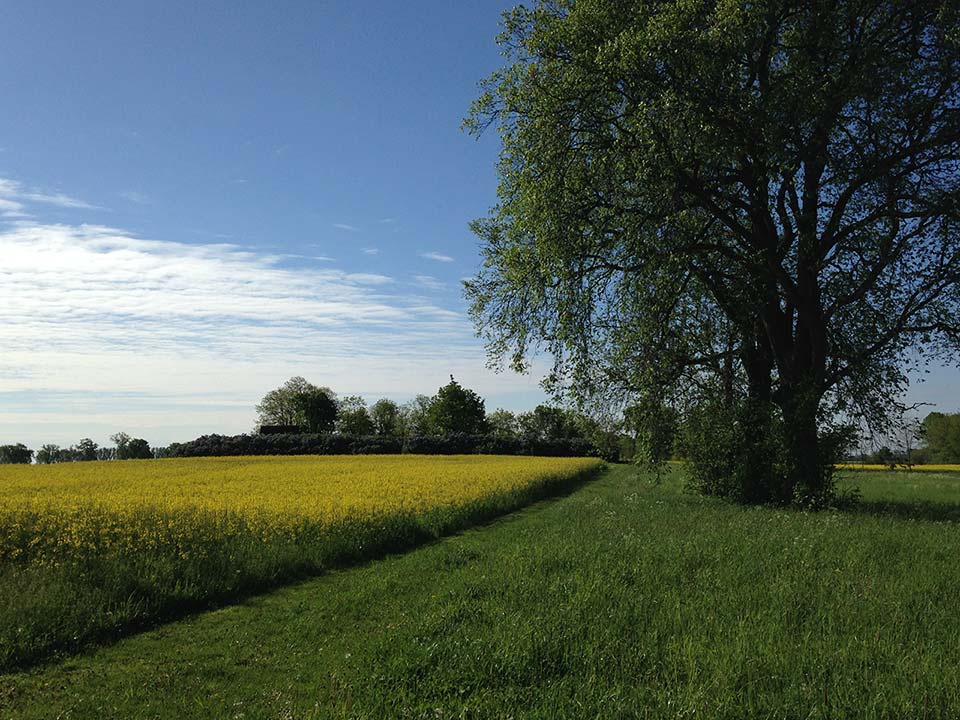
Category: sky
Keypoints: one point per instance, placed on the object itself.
(199, 200)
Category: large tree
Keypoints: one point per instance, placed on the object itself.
(758, 198)
(456, 409)
(300, 403)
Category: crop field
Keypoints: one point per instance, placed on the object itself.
(89, 551)
(901, 468)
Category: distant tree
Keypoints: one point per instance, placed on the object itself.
(106, 453)
(298, 402)
(503, 424)
(129, 448)
(120, 440)
(18, 454)
(317, 409)
(415, 417)
(941, 431)
(136, 449)
(86, 449)
(884, 456)
(385, 415)
(456, 409)
(48, 454)
(353, 417)
(546, 422)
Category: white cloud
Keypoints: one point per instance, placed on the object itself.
(60, 200)
(14, 196)
(11, 208)
(98, 312)
(167, 340)
(436, 256)
(371, 251)
(429, 282)
(135, 197)
(388, 221)
(344, 226)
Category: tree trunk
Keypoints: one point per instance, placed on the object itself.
(807, 471)
(758, 481)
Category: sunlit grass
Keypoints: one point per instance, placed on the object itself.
(625, 599)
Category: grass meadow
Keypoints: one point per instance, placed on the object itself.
(624, 599)
(91, 551)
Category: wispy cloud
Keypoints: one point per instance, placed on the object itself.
(98, 310)
(135, 197)
(371, 251)
(14, 197)
(60, 200)
(173, 339)
(429, 282)
(439, 257)
(388, 221)
(344, 226)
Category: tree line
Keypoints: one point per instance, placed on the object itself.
(125, 448)
(299, 406)
(935, 440)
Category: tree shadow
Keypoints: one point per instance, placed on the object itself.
(922, 510)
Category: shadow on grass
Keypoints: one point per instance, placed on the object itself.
(907, 510)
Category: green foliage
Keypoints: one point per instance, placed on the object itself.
(385, 416)
(49, 454)
(18, 454)
(546, 422)
(761, 197)
(130, 448)
(455, 409)
(654, 426)
(353, 418)
(316, 410)
(300, 403)
(942, 434)
(86, 450)
(503, 424)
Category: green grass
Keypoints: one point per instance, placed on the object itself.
(623, 599)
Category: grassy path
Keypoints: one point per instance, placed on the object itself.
(623, 599)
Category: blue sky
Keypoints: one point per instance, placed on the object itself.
(200, 200)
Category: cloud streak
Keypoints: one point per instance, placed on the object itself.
(104, 330)
(439, 257)
(429, 282)
(14, 198)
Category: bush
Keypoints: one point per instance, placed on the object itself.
(330, 444)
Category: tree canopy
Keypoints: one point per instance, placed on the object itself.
(456, 409)
(299, 403)
(751, 203)
(941, 432)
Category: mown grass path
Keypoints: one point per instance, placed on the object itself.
(624, 599)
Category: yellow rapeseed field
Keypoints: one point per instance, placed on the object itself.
(911, 468)
(49, 513)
